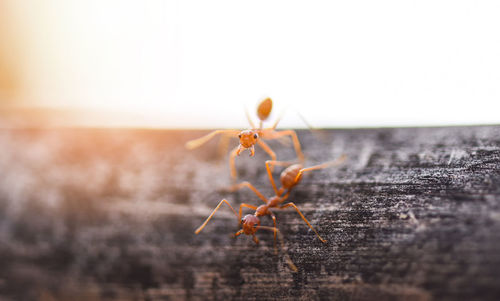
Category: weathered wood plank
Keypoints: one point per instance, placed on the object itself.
(413, 214)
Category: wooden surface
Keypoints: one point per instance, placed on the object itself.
(413, 214)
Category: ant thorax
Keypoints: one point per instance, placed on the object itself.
(262, 210)
(274, 201)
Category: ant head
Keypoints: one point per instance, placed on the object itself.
(248, 138)
(264, 108)
(250, 224)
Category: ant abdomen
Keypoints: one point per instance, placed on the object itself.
(264, 108)
(288, 176)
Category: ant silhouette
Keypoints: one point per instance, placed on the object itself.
(289, 178)
(255, 135)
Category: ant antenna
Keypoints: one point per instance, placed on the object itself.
(336, 162)
(249, 118)
(212, 214)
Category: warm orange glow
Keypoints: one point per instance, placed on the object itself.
(91, 56)
(9, 58)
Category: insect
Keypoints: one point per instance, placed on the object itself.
(289, 178)
(255, 135)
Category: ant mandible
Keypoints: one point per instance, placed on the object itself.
(248, 138)
(289, 178)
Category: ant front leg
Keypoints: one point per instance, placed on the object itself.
(223, 145)
(275, 233)
(249, 185)
(232, 165)
(304, 218)
(267, 149)
(232, 156)
(200, 141)
(212, 214)
(255, 239)
(269, 167)
(295, 140)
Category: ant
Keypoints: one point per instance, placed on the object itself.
(289, 178)
(248, 138)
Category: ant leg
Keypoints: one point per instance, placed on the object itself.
(274, 224)
(269, 170)
(295, 140)
(255, 239)
(241, 210)
(320, 166)
(303, 217)
(320, 134)
(200, 141)
(247, 184)
(271, 176)
(289, 261)
(232, 165)
(223, 144)
(268, 150)
(282, 141)
(238, 233)
(276, 231)
(213, 212)
(278, 120)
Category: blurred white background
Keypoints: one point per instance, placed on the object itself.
(196, 64)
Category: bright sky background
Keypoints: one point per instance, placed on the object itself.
(198, 63)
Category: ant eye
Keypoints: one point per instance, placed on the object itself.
(255, 136)
(239, 136)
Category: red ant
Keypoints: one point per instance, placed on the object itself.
(248, 138)
(289, 178)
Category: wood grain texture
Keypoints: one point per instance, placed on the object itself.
(413, 214)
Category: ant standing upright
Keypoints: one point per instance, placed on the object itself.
(255, 135)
